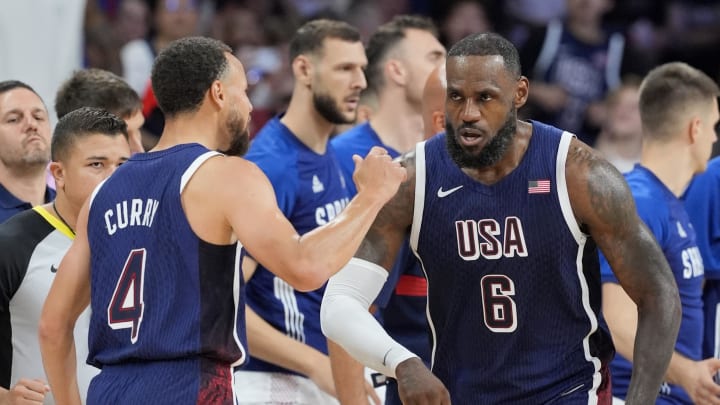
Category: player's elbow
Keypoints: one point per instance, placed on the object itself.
(49, 330)
(308, 275)
(332, 318)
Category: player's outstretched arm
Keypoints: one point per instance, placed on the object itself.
(234, 192)
(602, 202)
(68, 297)
(344, 314)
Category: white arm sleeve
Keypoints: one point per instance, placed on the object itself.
(345, 319)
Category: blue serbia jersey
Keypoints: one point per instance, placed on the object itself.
(158, 292)
(513, 283)
(666, 217)
(702, 201)
(311, 191)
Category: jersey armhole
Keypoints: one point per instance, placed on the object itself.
(563, 195)
(194, 166)
(419, 195)
(94, 193)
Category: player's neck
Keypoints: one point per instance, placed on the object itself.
(398, 125)
(304, 121)
(670, 163)
(188, 129)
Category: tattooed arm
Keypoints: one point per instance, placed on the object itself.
(602, 202)
(344, 313)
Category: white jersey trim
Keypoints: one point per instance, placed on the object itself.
(94, 193)
(190, 171)
(294, 319)
(236, 300)
(419, 194)
(580, 239)
(563, 195)
(419, 207)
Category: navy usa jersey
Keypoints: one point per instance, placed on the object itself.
(513, 283)
(158, 292)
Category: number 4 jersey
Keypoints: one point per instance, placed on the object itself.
(158, 292)
(513, 283)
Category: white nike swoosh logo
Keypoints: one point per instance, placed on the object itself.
(444, 193)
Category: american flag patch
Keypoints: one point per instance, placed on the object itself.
(538, 186)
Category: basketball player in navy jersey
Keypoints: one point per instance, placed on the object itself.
(679, 111)
(401, 55)
(289, 363)
(159, 245)
(505, 217)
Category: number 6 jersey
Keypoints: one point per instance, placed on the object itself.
(158, 292)
(513, 283)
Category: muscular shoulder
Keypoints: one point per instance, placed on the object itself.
(229, 172)
(596, 188)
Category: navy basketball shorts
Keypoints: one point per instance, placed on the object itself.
(186, 381)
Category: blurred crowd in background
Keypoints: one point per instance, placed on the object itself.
(613, 43)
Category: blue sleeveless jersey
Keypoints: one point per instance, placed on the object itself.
(358, 140)
(513, 283)
(311, 191)
(666, 217)
(158, 292)
(702, 201)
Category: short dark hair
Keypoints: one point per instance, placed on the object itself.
(83, 122)
(309, 38)
(184, 71)
(385, 38)
(667, 91)
(486, 44)
(8, 85)
(97, 88)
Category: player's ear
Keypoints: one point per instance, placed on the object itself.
(395, 71)
(693, 129)
(217, 94)
(438, 121)
(521, 91)
(58, 172)
(302, 70)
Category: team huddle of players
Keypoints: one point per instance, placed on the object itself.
(472, 256)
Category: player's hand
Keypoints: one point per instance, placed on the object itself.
(378, 174)
(27, 392)
(418, 386)
(698, 382)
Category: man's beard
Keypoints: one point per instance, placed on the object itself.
(490, 154)
(27, 158)
(239, 136)
(328, 109)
